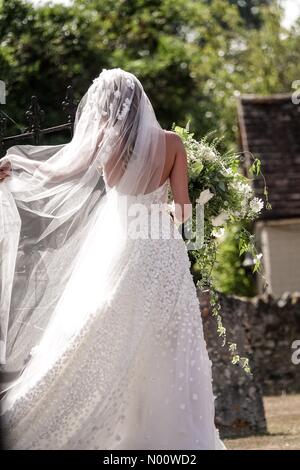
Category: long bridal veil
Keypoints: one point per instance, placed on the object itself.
(49, 209)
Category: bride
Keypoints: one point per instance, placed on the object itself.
(101, 337)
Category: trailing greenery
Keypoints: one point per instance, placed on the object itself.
(227, 198)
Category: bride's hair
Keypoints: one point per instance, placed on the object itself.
(117, 83)
(120, 101)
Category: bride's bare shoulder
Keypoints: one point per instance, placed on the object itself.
(174, 150)
(173, 140)
(172, 136)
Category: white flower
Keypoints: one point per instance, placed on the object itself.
(209, 154)
(204, 197)
(117, 94)
(218, 233)
(219, 219)
(130, 83)
(124, 111)
(244, 188)
(256, 205)
(257, 258)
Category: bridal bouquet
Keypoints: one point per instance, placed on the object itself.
(216, 182)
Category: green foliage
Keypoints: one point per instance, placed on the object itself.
(250, 11)
(230, 276)
(227, 200)
(192, 57)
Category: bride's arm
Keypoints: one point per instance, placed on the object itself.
(179, 181)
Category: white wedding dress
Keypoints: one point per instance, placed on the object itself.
(101, 337)
(137, 375)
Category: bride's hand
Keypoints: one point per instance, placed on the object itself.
(5, 170)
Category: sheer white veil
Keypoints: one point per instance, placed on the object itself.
(57, 194)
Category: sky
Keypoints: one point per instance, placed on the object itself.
(292, 9)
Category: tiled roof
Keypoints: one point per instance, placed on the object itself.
(270, 129)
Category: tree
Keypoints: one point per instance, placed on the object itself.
(44, 49)
(171, 46)
(250, 11)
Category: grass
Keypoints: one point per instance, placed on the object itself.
(283, 420)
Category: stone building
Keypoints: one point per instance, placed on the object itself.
(270, 129)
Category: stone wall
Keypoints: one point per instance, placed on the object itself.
(264, 329)
(275, 325)
(239, 405)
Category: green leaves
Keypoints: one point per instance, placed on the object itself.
(193, 58)
(196, 169)
(255, 167)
